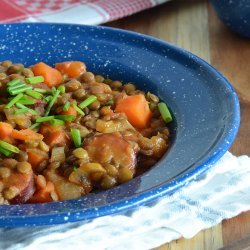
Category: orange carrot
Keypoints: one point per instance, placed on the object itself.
(70, 111)
(43, 194)
(71, 69)
(54, 135)
(5, 130)
(136, 109)
(52, 77)
(26, 134)
(36, 157)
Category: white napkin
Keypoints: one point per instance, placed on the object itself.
(224, 192)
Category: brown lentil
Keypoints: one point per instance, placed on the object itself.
(27, 73)
(94, 105)
(4, 172)
(99, 78)
(88, 77)
(129, 87)
(40, 181)
(23, 167)
(10, 193)
(116, 84)
(80, 153)
(108, 182)
(43, 146)
(2, 76)
(72, 85)
(9, 163)
(79, 94)
(54, 196)
(15, 68)
(22, 156)
(6, 63)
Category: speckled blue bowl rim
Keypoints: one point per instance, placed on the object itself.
(156, 192)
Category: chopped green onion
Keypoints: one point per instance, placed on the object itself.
(109, 103)
(44, 119)
(21, 106)
(20, 111)
(19, 85)
(13, 101)
(13, 82)
(43, 91)
(65, 117)
(66, 106)
(74, 168)
(78, 109)
(34, 79)
(19, 90)
(62, 89)
(27, 102)
(9, 147)
(37, 124)
(34, 94)
(53, 90)
(165, 113)
(56, 122)
(87, 102)
(52, 101)
(76, 137)
(48, 98)
(5, 152)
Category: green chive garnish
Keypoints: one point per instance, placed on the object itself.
(9, 147)
(5, 152)
(21, 106)
(13, 101)
(52, 101)
(48, 98)
(66, 106)
(78, 109)
(27, 102)
(19, 85)
(13, 82)
(44, 119)
(62, 89)
(37, 124)
(76, 137)
(56, 122)
(87, 102)
(109, 103)
(53, 89)
(20, 90)
(20, 111)
(43, 91)
(165, 113)
(34, 79)
(65, 117)
(34, 94)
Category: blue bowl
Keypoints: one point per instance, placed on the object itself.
(204, 104)
(235, 14)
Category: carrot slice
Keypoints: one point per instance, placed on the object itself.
(36, 157)
(43, 194)
(5, 130)
(136, 109)
(52, 77)
(54, 135)
(26, 134)
(70, 111)
(72, 68)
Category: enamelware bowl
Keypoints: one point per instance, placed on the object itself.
(204, 105)
(235, 14)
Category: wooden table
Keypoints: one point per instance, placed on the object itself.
(193, 25)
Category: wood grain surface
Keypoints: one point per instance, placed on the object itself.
(193, 25)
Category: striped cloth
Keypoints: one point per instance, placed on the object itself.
(71, 11)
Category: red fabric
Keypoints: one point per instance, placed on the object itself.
(19, 10)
